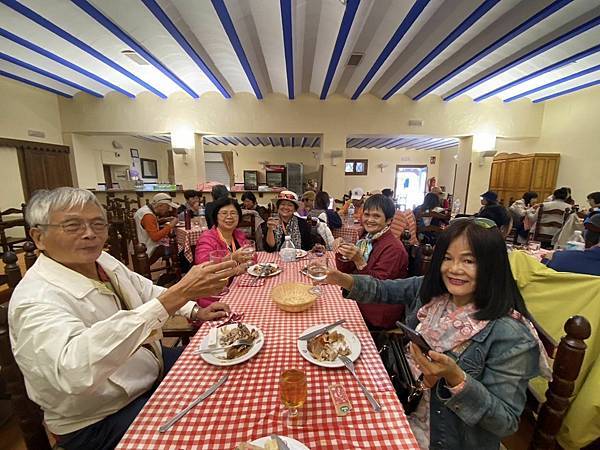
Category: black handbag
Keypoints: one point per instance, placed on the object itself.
(391, 350)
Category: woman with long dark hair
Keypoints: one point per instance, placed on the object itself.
(485, 349)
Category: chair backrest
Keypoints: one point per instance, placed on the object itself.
(419, 256)
(551, 227)
(11, 218)
(247, 224)
(427, 231)
(29, 415)
(568, 358)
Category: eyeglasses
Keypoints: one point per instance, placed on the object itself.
(483, 222)
(78, 226)
(228, 213)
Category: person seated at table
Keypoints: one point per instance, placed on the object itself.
(85, 330)
(594, 202)
(308, 202)
(485, 350)
(224, 235)
(379, 254)
(519, 210)
(501, 217)
(488, 198)
(321, 215)
(218, 191)
(444, 204)
(285, 223)
(576, 261)
(146, 225)
(559, 203)
(431, 204)
(357, 199)
(249, 202)
(192, 204)
(388, 193)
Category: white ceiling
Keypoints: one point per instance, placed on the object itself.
(509, 49)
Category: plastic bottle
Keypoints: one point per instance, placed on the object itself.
(577, 242)
(351, 214)
(455, 207)
(288, 251)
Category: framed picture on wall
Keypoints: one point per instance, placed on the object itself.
(149, 168)
(134, 152)
(251, 180)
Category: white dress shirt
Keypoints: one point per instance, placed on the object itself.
(79, 352)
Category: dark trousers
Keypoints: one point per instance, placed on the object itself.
(107, 433)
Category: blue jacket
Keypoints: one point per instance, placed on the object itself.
(587, 261)
(499, 362)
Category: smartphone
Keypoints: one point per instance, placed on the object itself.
(415, 337)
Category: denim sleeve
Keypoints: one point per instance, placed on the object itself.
(496, 402)
(367, 289)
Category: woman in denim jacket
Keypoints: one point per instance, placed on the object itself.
(485, 350)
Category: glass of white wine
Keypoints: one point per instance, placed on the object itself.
(317, 270)
(219, 256)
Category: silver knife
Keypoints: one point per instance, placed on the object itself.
(165, 426)
(321, 330)
(281, 445)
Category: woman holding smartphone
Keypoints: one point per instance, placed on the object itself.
(485, 349)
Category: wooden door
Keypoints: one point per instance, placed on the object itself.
(545, 172)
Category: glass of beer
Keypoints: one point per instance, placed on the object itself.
(292, 389)
(219, 256)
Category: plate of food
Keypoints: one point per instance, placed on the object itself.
(323, 350)
(264, 270)
(268, 443)
(300, 253)
(228, 335)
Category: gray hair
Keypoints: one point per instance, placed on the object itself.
(44, 202)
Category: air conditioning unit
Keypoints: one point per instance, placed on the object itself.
(180, 150)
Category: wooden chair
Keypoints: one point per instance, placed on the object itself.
(29, 415)
(430, 230)
(554, 225)
(8, 242)
(541, 420)
(248, 225)
(419, 256)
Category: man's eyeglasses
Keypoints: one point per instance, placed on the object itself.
(78, 226)
(483, 222)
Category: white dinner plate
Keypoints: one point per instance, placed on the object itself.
(255, 270)
(300, 253)
(293, 444)
(351, 339)
(216, 358)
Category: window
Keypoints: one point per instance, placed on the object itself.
(357, 166)
(215, 169)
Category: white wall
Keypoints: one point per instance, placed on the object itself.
(447, 162)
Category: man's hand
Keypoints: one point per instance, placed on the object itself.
(214, 311)
(173, 223)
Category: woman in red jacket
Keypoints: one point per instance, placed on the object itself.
(379, 254)
(224, 235)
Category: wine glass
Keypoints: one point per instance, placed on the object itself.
(293, 392)
(345, 241)
(317, 270)
(219, 256)
(249, 250)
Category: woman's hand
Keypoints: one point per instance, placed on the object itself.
(338, 278)
(437, 366)
(337, 242)
(352, 253)
(214, 311)
(272, 223)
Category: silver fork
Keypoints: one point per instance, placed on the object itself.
(350, 366)
(218, 349)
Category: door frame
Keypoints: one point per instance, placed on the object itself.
(21, 147)
(418, 166)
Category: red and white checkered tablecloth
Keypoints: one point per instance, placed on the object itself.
(247, 406)
(351, 233)
(186, 239)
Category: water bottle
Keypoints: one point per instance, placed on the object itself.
(351, 214)
(577, 242)
(288, 251)
(455, 207)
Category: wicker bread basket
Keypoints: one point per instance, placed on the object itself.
(293, 297)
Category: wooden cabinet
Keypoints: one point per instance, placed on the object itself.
(514, 174)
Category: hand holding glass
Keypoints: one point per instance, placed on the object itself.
(218, 256)
(317, 270)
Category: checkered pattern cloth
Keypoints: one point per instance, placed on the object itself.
(247, 406)
(186, 239)
(351, 233)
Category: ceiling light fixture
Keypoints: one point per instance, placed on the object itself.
(134, 57)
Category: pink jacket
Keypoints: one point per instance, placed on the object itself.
(208, 242)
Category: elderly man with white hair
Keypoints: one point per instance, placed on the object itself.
(86, 330)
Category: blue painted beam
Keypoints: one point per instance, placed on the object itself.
(448, 40)
(45, 73)
(230, 141)
(553, 83)
(527, 56)
(304, 139)
(271, 141)
(225, 19)
(240, 141)
(542, 71)
(166, 22)
(35, 17)
(340, 42)
(402, 29)
(398, 143)
(31, 46)
(93, 12)
(393, 142)
(293, 141)
(520, 29)
(282, 142)
(288, 44)
(34, 84)
(316, 142)
(568, 91)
